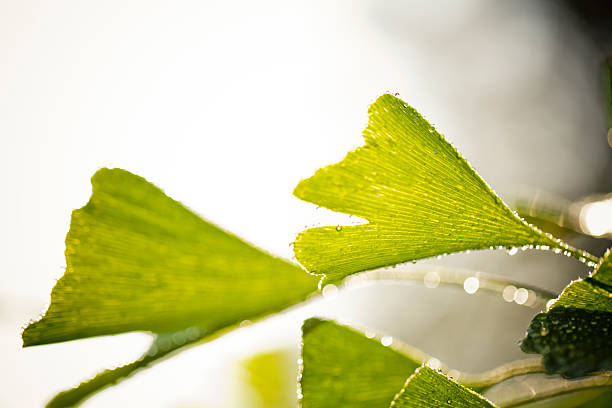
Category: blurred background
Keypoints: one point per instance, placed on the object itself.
(227, 105)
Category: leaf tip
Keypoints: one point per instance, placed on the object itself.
(310, 324)
(30, 335)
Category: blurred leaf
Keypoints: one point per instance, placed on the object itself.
(574, 335)
(343, 368)
(607, 78)
(419, 196)
(604, 400)
(138, 260)
(427, 388)
(271, 380)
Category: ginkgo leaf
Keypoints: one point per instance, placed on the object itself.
(138, 260)
(343, 368)
(427, 388)
(575, 334)
(419, 196)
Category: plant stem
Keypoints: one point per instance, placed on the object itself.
(530, 394)
(481, 381)
(432, 276)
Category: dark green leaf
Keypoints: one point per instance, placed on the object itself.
(427, 388)
(419, 196)
(575, 334)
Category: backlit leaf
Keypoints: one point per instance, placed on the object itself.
(343, 368)
(419, 196)
(138, 260)
(427, 388)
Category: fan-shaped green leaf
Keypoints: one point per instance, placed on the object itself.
(138, 260)
(575, 334)
(343, 368)
(419, 196)
(427, 388)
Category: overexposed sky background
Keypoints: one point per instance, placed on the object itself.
(226, 106)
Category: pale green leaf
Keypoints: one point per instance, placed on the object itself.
(419, 196)
(575, 334)
(427, 388)
(343, 368)
(269, 380)
(138, 260)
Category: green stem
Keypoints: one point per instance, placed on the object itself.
(481, 381)
(516, 397)
(432, 275)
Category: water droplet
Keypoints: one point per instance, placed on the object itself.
(330, 291)
(508, 293)
(179, 338)
(193, 333)
(431, 279)
(164, 344)
(512, 251)
(471, 284)
(433, 363)
(454, 374)
(153, 350)
(339, 228)
(521, 296)
(386, 341)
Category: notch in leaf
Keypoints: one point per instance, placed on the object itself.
(419, 196)
(575, 335)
